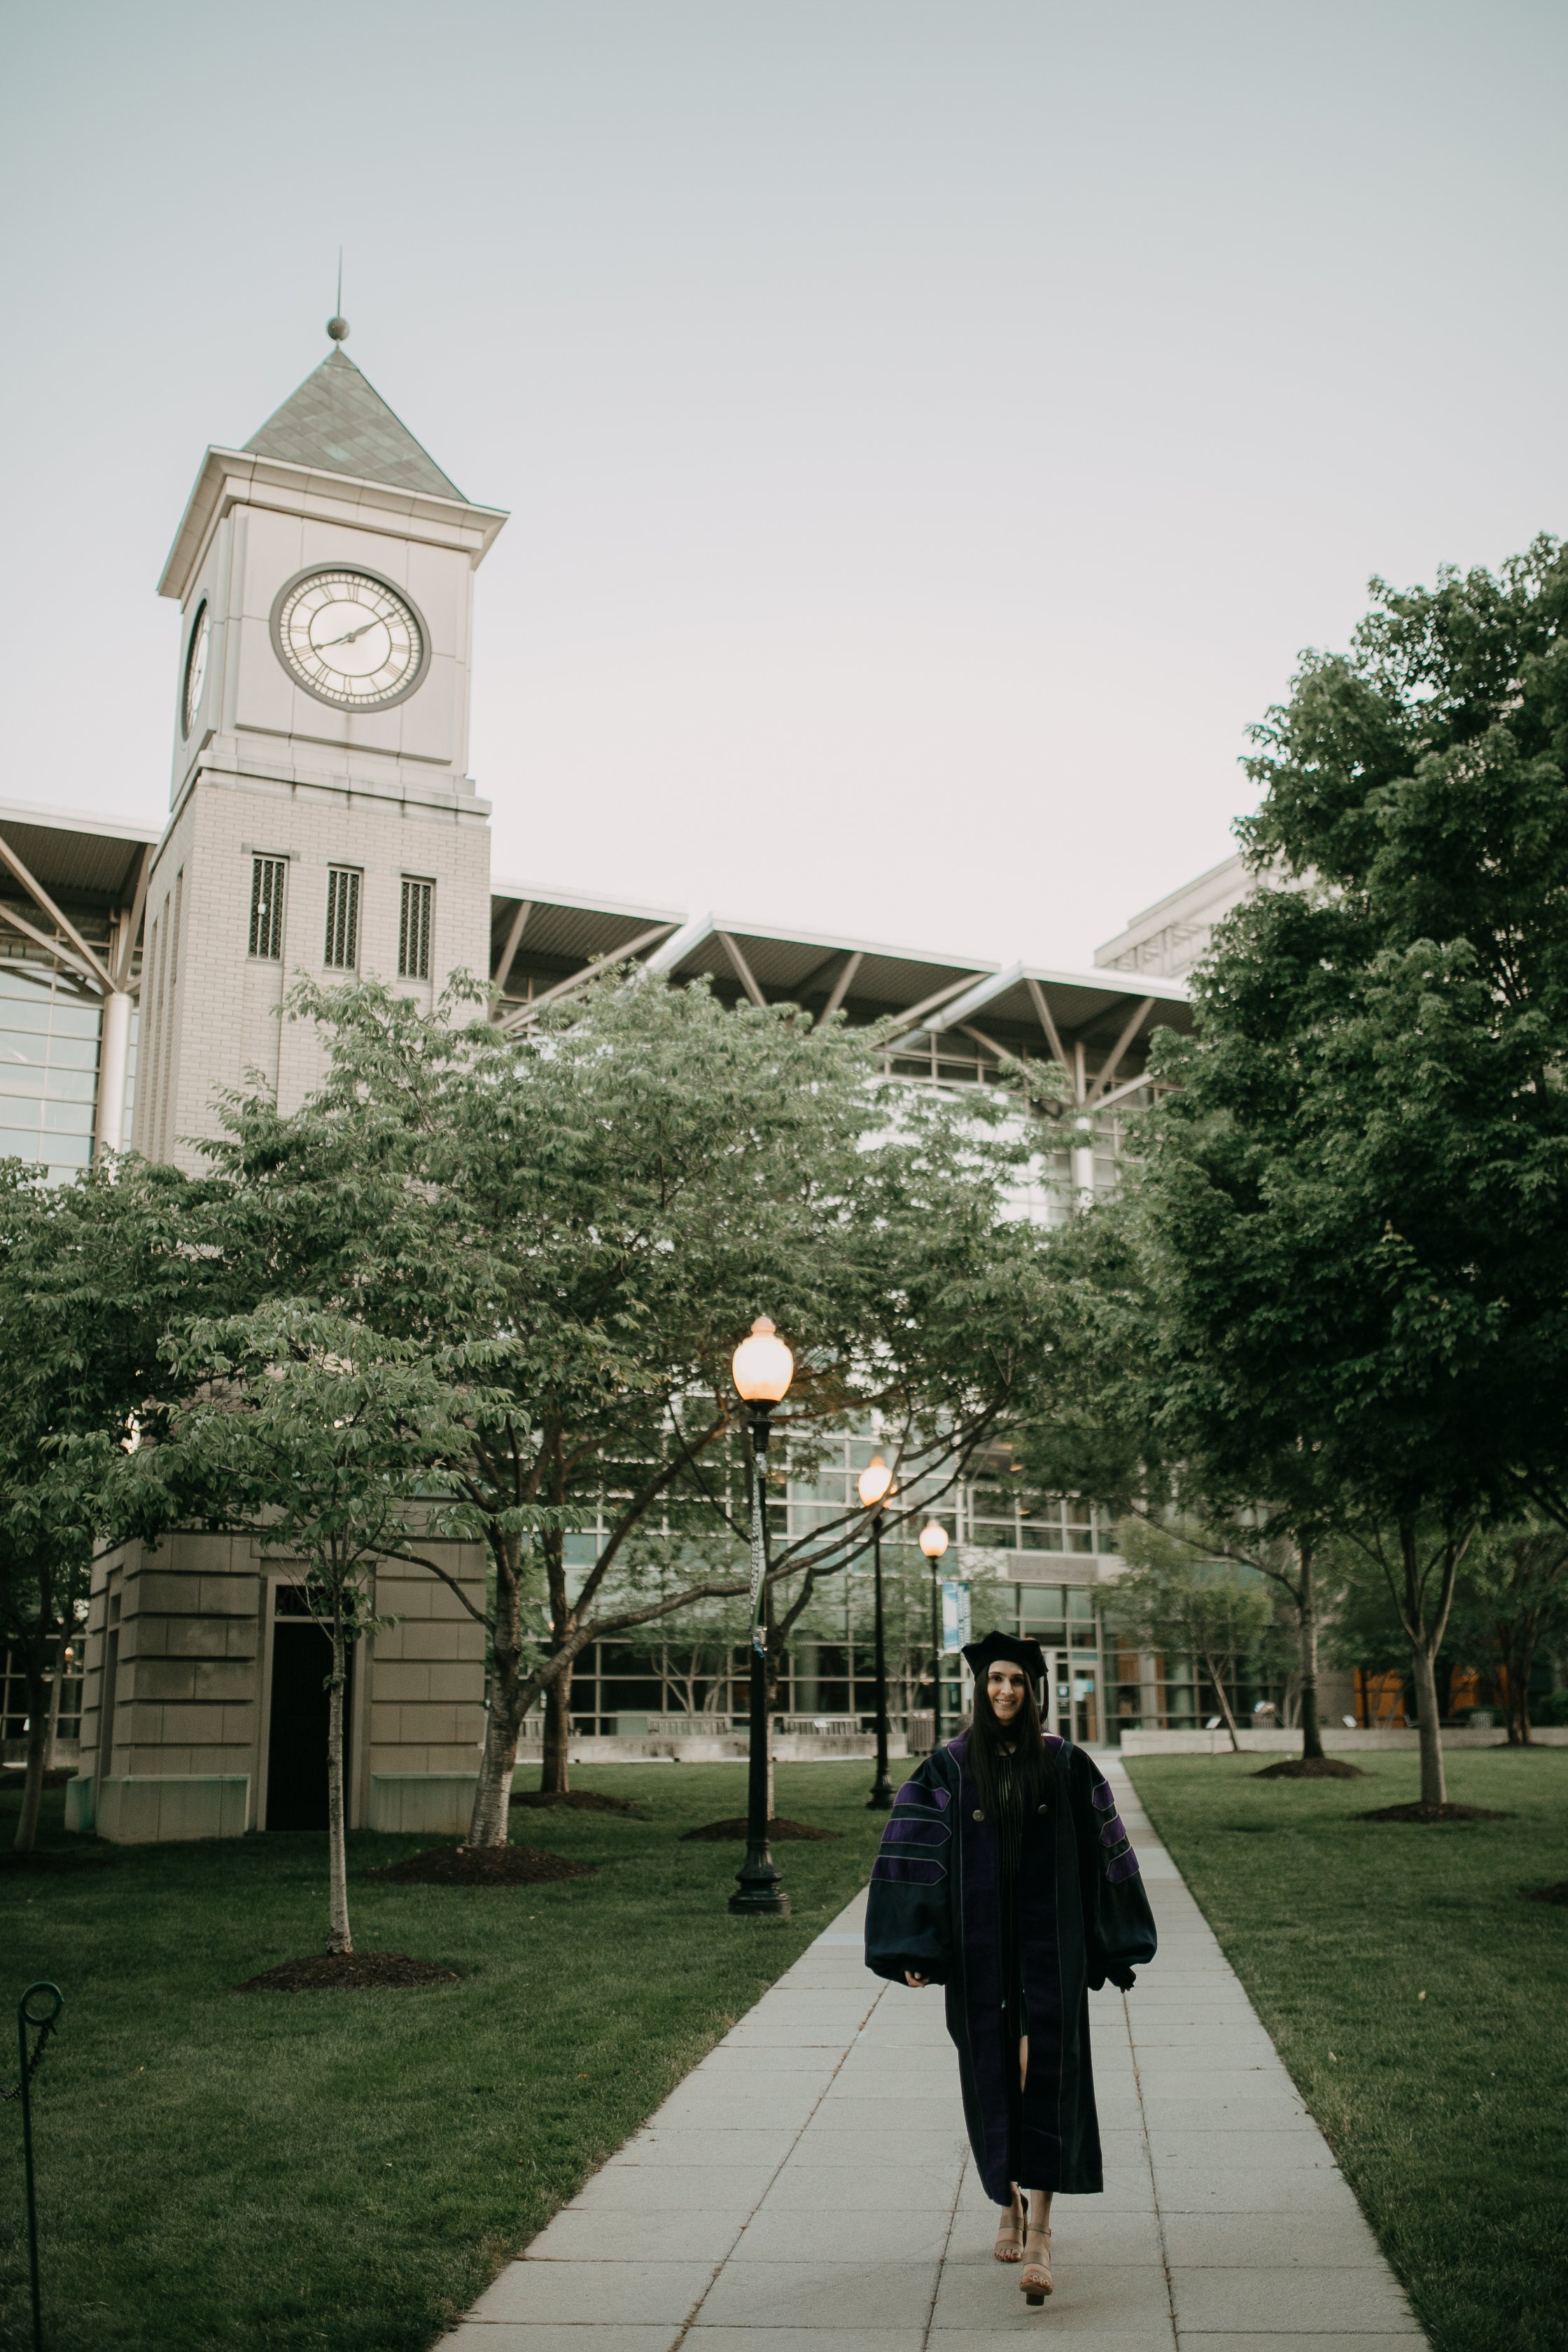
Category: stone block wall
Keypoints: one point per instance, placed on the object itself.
(178, 1637)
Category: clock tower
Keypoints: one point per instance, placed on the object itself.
(322, 820)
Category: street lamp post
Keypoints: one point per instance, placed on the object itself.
(876, 1484)
(763, 1368)
(934, 1543)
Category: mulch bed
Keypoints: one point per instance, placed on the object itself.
(731, 1833)
(349, 1972)
(577, 1801)
(1558, 1894)
(1433, 1813)
(481, 1865)
(56, 1865)
(1311, 1767)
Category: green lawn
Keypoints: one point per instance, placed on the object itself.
(274, 2170)
(1450, 2115)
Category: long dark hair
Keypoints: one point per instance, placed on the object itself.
(989, 1741)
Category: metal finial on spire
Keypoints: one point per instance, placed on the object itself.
(337, 325)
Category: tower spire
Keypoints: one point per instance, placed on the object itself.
(337, 325)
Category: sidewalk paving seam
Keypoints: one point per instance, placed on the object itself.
(1159, 2209)
(941, 2258)
(691, 2317)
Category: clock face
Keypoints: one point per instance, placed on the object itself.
(195, 670)
(349, 638)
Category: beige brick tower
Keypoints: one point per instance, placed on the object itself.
(322, 822)
(322, 819)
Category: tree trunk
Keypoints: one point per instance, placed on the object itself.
(338, 1937)
(1433, 1787)
(489, 1820)
(1219, 1691)
(1516, 1644)
(555, 1774)
(1311, 1730)
(1425, 1635)
(38, 1690)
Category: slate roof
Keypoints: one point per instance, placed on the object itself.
(339, 421)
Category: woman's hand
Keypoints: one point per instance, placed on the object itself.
(918, 1983)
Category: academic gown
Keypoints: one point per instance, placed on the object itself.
(1082, 1916)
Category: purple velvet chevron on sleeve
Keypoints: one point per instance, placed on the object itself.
(908, 1870)
(1125, 1865)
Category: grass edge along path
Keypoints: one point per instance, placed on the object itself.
(1418, 2002)
(262, 2172)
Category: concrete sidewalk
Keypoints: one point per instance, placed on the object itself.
(808, 2187)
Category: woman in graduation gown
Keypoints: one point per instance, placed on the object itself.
(1006, 1877)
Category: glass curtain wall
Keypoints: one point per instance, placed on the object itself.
(49, 1032)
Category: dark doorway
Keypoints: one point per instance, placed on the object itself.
(296, 1734)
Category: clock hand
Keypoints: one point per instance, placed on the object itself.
(350, 635)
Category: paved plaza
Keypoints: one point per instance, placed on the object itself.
(808, 2187)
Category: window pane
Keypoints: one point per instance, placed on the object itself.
(342, 919)
(266, 908)
(414, 930)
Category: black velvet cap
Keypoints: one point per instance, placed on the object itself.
(1016, 1647)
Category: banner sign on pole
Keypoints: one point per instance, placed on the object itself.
(955, 1623)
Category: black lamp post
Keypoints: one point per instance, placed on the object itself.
(934, 1543)
(763, 1368)
(876, 1484)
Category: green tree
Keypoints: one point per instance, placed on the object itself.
(325, 1440)
(90, 1274)
(1124, 1412)
(1356, 1199)
(1173, 1602)
(1512, 1604)
(585, 1218)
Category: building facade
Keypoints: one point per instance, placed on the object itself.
(322, 823)
(1173, 934)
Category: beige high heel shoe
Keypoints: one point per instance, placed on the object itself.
(1009, 2246)
(1035, 2279)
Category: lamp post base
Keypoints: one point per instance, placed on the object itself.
(758, 1894)
(880, 1800)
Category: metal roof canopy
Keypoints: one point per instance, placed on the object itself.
(549, 933)
(1082, 1017)
(1077, 1014)
(798, 967)
(92, 860)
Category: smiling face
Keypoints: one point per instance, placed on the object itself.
(1004, 1688)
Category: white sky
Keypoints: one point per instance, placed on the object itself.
(931, 427)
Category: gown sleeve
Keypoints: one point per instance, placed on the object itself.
(1118, 1923)
(908, 1917)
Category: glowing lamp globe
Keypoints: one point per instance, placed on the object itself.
(875, 1481)
(933, 1539)
(761, 1365)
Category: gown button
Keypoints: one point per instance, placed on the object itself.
(978, 1814)
(1042, 1809)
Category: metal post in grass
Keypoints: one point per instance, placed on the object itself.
(934, 1543)
(876, 1484)
(33, 2019)
(763, 1368)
